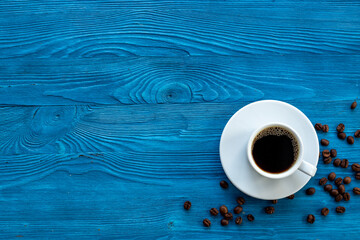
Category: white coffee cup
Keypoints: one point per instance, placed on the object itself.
(299, 163)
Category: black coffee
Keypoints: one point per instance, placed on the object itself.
(275, 149)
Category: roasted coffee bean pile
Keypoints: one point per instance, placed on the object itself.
(332, 184)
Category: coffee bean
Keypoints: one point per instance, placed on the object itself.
(274, 201)
(250, 217)
(357, 133)
(223, 210)
(353, 105)
(346, 196)
(310, 218)
(269, 210)
(326, 153)
(238, 209)
(340, 128)
(334, 192)
(238, 220)
(341, 136)
(324, 211)
(323, 181)
(344, 163)
(324, 142)
(228, 216)
(318, 126)
(325, 128)
(327, 160)
(332, 176)
(338, 198)
(337, 162)
(240, 200)
(187, 205)
(224, 184)
(340, 209)
(356, 191)
(214, 211)
(333, 153)
(206, 222)
(338, 181)
(291, 196)
(328, 188)
(355, 167)
(350, 140)
(347, 180)
(357, 176)
(341, 189)
(224, 222)
(310, 191)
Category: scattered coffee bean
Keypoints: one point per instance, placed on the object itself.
(238, 220)
(338, 198)
(324, 211)
(323, 181)
(269, 210)
(311, 218)
(240, 200)
(310, 191)
(355, 167)
(324, 142)
(340, 128)
(238, 209)
(341, 136)
(357, 176)
(341, 189)
(228, 216)
(274, 201)
(328, 188)
(338, 181)
(333, 153)
(356, 191)
(353, 105)
(318, 126)
(357, 133)
(350, 140)
(332, 176)
(347, 180)
(337, 162)
(224, 184)
(344, 163)
(206, 222)
(346, 196)
(325, 128)
(214, 211)
(340, 209)
(250, 217)
(334, 192)
(326, 153)
(187, 205)
(224, 222)
(327, 160)
(291, 196)
(223, 210)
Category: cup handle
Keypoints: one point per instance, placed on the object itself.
(307, 168)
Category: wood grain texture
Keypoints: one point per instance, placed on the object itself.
(134, 80)
(65, 29)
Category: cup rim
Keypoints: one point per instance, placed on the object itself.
(286, 173)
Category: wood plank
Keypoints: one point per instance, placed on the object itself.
(108, 29)
(221, 79)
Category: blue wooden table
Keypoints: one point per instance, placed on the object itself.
(112, 110)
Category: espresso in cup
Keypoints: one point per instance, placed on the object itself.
(275, 149)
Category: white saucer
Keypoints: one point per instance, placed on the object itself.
(234, 141)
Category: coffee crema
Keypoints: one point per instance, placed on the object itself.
(275, 149)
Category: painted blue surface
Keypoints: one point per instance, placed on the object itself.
(111, 113)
